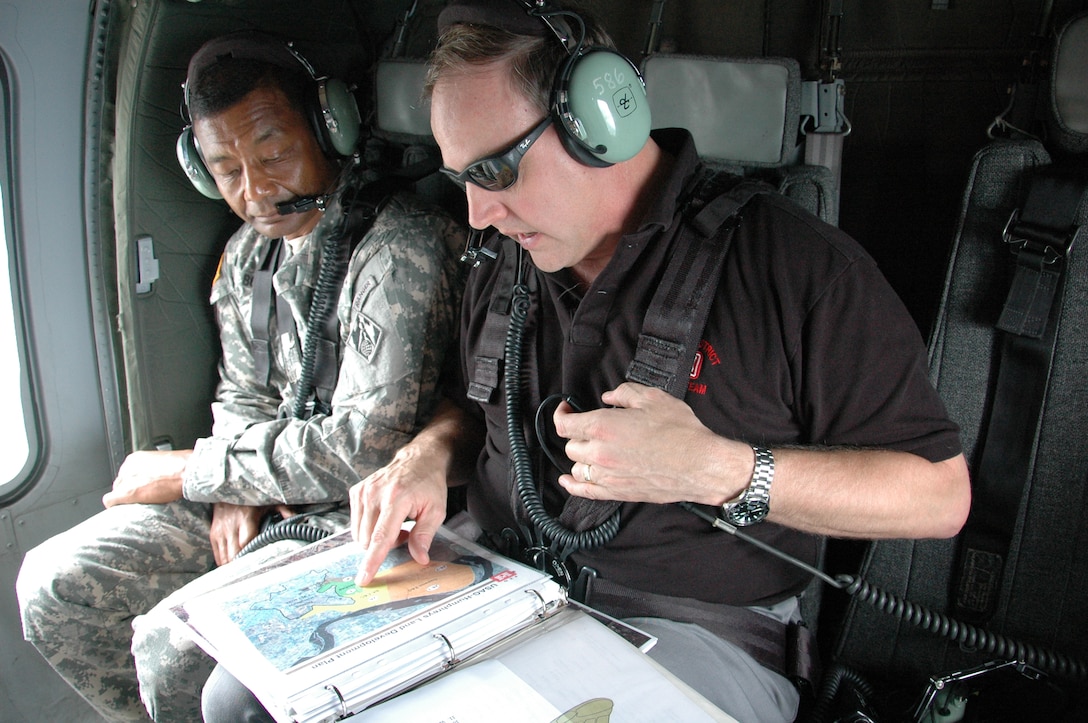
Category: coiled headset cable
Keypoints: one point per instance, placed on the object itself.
(356, 215)
(288, 529)
(965, 634)
(558, 535)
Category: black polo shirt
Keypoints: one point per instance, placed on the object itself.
(806, 344)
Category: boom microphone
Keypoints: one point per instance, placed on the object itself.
(302, 204)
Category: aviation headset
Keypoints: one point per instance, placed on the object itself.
(331, 108)
(598, 97)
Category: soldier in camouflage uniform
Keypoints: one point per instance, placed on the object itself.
(173, 516)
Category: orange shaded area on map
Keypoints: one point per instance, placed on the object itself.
(402, 582)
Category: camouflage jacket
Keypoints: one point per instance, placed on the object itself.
(397, 312)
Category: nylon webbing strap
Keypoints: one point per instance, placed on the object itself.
(678, 312)
(327, 361)
(261, 311)
(492, 348)
(1041, 237)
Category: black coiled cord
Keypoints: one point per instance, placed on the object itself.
(967, 635)
(520, 460)
(289, 529)
(330, 275)
(829, 690)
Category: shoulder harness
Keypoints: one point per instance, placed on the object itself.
(678, 312)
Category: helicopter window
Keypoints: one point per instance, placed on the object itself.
(15, 423)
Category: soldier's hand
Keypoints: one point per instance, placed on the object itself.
(149, 477)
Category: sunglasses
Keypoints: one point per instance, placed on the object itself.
(500, 171)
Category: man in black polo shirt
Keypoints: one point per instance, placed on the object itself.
(808, 412)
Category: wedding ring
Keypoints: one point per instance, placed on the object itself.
(586, 472)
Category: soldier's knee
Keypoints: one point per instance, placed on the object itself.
(170, 668)
(47, 578)
(159, 649)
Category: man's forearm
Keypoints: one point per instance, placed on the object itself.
(453, 439)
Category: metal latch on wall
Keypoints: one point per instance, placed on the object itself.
(147, 266)
(823, 106)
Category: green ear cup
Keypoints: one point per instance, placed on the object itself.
(340, 115)
(602, 106)
(193, 165)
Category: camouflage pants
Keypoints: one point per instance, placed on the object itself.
(95, 602)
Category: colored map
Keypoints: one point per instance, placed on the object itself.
(319, 607)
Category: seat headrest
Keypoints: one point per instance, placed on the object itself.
(399, 105)
(739, 110)
(1069, 87)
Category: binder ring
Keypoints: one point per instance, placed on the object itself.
(343, 703)
(543, 611)
(452, 660)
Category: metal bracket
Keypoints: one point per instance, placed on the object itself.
(147, 266)
(823, 107)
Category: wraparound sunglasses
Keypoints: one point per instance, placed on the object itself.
(500, 171)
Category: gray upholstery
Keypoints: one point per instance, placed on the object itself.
(400, 110)
(745, 116)
(401, 131)
(740, 110)
(1046, 579)
(1069, 80)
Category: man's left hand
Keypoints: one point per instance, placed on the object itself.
(648, 447)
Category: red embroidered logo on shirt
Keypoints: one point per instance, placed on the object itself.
(705, 355)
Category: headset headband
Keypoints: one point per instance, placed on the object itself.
(247, 45)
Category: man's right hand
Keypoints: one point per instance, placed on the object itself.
(150, 477)
(234, 526)
(411, 487)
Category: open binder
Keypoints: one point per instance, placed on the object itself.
(314, 647)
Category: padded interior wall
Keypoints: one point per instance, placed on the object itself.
(922, 85)
(168, 334)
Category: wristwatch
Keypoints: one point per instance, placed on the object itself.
(754, 502)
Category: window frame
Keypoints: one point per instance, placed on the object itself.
(25, 474)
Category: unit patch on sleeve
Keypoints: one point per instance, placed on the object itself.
(365, 337)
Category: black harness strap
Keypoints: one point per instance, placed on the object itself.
(269, 310)
(261, 312)
(678, 312)
(664, 356)
(327, 361)
(1041, 237)
(487, 376)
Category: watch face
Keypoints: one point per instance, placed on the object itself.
(748, 512)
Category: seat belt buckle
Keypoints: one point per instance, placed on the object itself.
(1050, 245)
(1040, 253)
